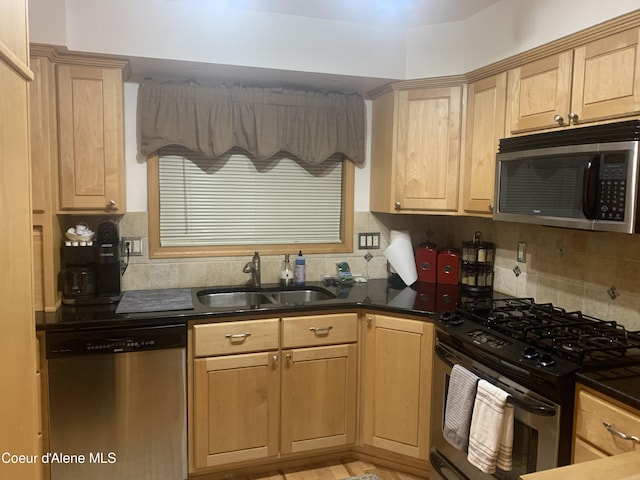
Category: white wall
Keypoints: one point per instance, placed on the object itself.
(500, 31)
(206, 31)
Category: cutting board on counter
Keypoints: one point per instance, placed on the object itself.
(163, 300)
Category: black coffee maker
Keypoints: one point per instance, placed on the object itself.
(91, 273)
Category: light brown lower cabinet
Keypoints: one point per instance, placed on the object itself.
(319, 397)
(600, 425)
(396, 372)
(236, 404)
(298, 395)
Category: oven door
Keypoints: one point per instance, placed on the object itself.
(536, 424)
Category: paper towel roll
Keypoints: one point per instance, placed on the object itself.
(400, 255)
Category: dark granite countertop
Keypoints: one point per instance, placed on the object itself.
(423, 299)
(621, 383)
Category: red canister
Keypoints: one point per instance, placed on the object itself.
(448, 266)
(426, 262)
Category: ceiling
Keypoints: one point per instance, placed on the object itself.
(406, 13)
(395, 13)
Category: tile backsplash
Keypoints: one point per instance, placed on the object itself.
(146, 273)
(572, 269)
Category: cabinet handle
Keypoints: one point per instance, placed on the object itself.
(289, 357)
(559, 119)
(237, 337)
(321, 330)
(111, 203)
(369, 321)
(398, 205)
(573, 118)
(491, 208)
(274, 359)
(611, 429)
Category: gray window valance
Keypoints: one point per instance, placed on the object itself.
(311, 125)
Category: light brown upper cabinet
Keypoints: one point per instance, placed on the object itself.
(44, 187)
(415, 150)
(596, 81)
(485, 126)
(91, 138)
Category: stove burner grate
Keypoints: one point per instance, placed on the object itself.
(586, 340)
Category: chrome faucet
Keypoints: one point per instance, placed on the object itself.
(253, 267)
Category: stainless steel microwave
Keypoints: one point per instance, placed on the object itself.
(584, 178)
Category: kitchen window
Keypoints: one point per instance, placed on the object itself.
(234, 204)
(232, 168)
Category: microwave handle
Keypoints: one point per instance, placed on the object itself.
(590, 188)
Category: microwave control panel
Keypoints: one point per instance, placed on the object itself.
(613, 187)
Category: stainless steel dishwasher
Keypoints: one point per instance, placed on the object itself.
(117, 402)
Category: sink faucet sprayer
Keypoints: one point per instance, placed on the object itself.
(253, 267)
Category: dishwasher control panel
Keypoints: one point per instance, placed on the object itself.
(115, 340)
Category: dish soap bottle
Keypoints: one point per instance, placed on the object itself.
(286, 274)
(300, 269)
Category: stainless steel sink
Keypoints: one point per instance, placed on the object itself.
(229, 299)
(258, 297)
(300, 296)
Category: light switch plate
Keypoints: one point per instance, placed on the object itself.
(522, 252)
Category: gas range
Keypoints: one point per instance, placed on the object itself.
(534, 352)
(552, 333)
(538, 343)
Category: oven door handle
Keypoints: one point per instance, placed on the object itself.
(533, 407)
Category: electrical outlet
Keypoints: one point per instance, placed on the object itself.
(132, 246)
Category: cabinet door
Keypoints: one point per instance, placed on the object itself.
(382, 195)
(44, 145)
(606, 78)
(485, 127)
(318, 397)
(396, 374)
(428, 149)
(44, 174)
(236, 408)
(90, 105)
(538, 92)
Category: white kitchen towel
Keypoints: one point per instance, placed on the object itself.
(487, 427)
(459, 406)
(505, 454)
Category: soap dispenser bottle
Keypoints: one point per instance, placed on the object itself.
(286, 274)
(300, 269)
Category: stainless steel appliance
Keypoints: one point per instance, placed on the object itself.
(118, 403)
(585, 178)
(531, 351)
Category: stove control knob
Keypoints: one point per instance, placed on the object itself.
(530, 353)
(546, 360)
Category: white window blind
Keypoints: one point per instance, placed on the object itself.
(234, 200)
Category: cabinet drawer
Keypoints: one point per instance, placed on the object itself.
(592, 411)
(235, 337)
(319, 330)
